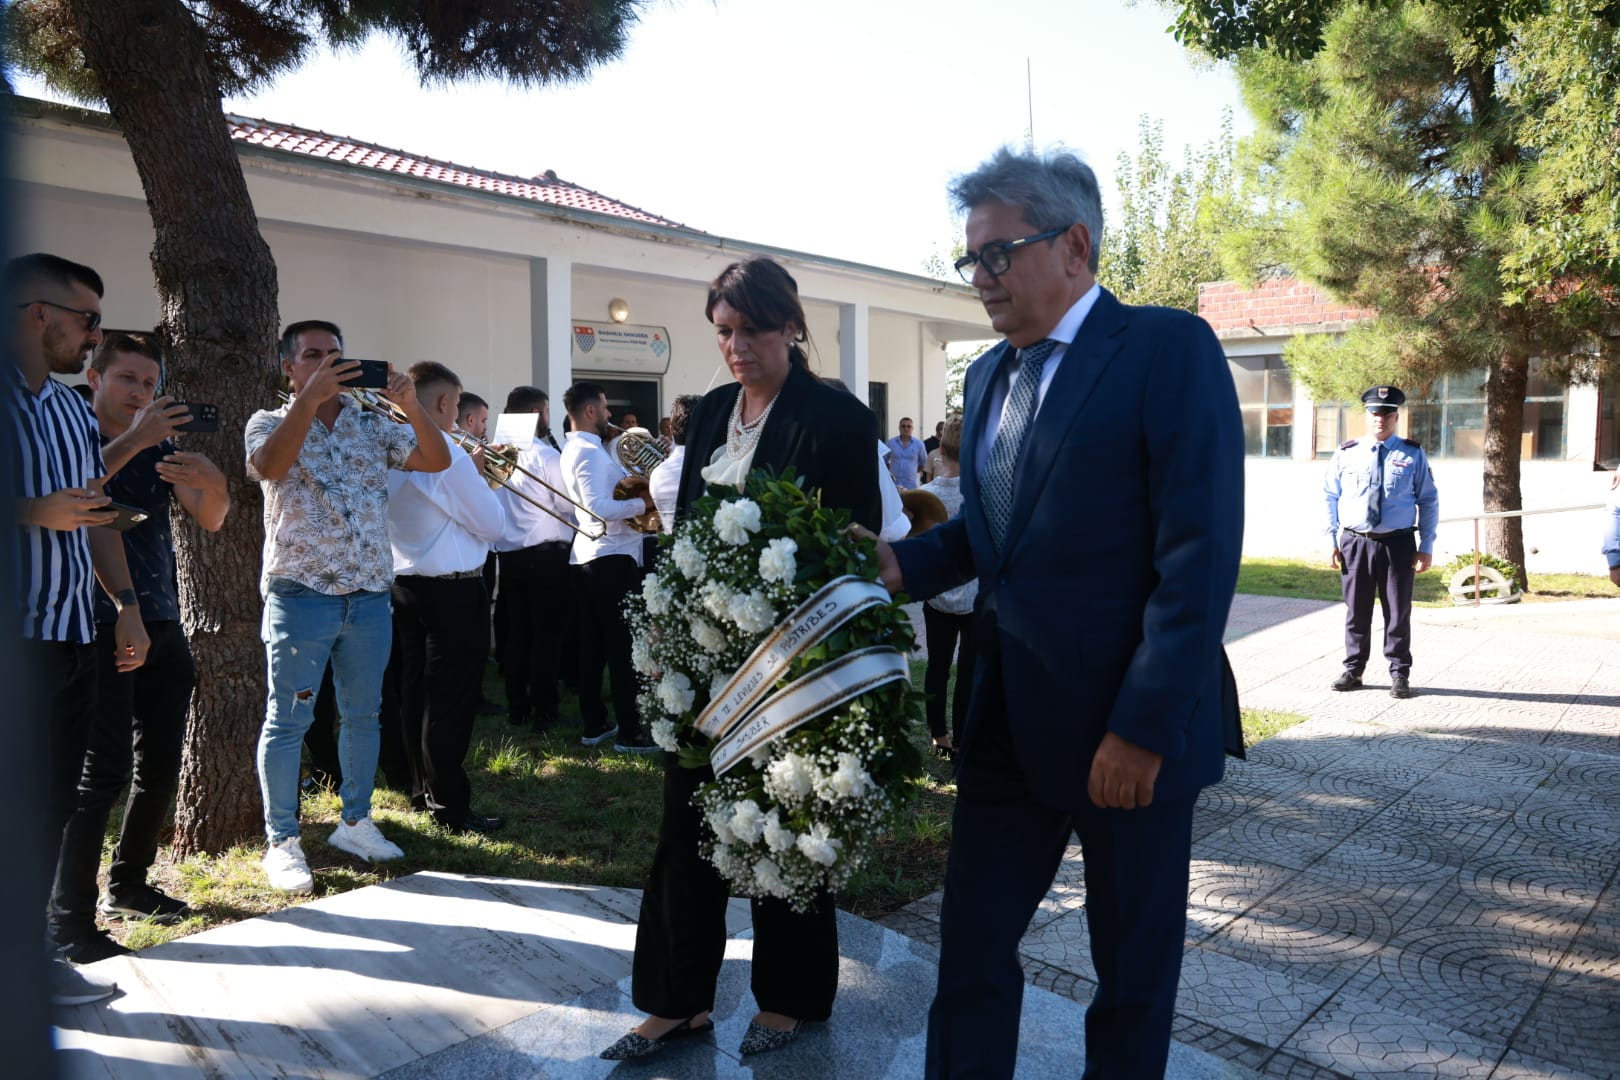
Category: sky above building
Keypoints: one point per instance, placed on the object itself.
(831, 127)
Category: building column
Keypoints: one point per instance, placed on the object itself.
(854, 347)
(551, 329)
(931, 381)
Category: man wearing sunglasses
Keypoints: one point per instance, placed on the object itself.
(57, 472)
(1102, 513)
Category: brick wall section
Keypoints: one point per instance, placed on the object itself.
(1285, 302)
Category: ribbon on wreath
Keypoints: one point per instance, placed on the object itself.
(807, 697)
(827, 609)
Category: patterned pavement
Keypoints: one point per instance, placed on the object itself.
(1418, 888)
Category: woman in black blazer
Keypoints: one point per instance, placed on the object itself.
(775, 415)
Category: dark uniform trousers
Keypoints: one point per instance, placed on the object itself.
(136, 735)
(681, 934)
(536, 599)
(601, 588)
(1005, 850)
(441, 627)
(944, 631)
(1378, 567)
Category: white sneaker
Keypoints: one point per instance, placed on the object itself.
(75, 986)
(285, 866)
(363, 839)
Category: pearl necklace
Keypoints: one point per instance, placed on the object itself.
(741, 438)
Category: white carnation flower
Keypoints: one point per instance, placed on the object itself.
(641, 657)
(718, 684)
(769, 879)
(663, 733)
(718, 821)
(747, 823)
(790, 778)
(654, 595)
(752, 612)
(776, 562)
(688, 558)
(707, 635)
(777, 838)
(675, 693)
(717, 600)
(735, 520)
(818, 846)
(850, 780)
(760, 756)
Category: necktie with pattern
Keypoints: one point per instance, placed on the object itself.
(997, 489)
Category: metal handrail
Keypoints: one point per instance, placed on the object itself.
(1482, 515)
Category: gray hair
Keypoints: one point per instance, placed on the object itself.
(1054, 191)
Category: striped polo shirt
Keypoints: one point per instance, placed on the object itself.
(55, 445)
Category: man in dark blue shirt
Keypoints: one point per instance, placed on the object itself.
(140, 719)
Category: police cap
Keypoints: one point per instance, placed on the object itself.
(1379, 398)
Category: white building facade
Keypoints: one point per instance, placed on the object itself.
(501, 278)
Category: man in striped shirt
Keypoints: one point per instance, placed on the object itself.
(56, 477)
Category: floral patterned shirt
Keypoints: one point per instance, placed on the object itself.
(326, 521)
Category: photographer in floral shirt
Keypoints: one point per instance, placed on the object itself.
(322, 462)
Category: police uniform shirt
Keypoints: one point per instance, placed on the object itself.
(1408, 497)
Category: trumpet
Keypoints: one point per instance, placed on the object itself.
(499, 463)
(638, 455)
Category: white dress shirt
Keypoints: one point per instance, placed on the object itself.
(1001, 389)
(895, 522)
(527, 524)
(665, 485)
(442, 522)
(589, 475)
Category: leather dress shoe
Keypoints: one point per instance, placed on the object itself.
(1399, 687)
(478, 823)
(1348, 681)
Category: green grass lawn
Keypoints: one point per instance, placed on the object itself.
(583, 815)
(1318, 581)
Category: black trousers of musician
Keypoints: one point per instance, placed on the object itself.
(948, 636)
(681, 934)
(65, 674)
(136, 734)
(1378, 567)
(440, 625)
(537, 597)
(602, 587)
(1006, 846)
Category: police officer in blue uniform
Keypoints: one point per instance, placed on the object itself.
(1379, 493)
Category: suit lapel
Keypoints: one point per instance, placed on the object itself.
(981, 378)
(1083, 363)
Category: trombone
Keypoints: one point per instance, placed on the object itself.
(499, 464)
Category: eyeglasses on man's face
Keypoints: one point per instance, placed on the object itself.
(997, 257)
(92, 319)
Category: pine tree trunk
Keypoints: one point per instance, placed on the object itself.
(216, 283)
(1504, 421)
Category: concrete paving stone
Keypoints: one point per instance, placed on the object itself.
(1321, 937)
(916, 927)
(1587, 774)
(1325, 814)
(1355, 861)
(1509, 945)
(1063, 943)
(1381, 770)
(1060, 981)
(1301, 755)
(1223, 1044)
(1518, 1066)
(1597, 744)
(1245, 999)
(1360, 1038)
(1446, 783)
(1221, 804)
(1575, 1026)
(1220, 890)
(1282, 1066)
(1258, 776)
(1484, 999)
(1522, 766)
(1555, 831)
(1246, 839)
(1432, 830)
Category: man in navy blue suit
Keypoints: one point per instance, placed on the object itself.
(1102, 512)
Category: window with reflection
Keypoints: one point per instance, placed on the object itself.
(1448, 416)
(1265, 390)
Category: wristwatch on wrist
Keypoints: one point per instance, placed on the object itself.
(126, 598)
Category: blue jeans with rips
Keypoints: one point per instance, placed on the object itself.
(302, 630)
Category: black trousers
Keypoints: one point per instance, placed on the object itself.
(1005, 849)
(681, 934)
(66, 673)
(536, 602)
(440, 627)
(602, 585)
(136, 736)
(1378, 569)
(948, 635)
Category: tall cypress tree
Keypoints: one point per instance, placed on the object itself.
(1407, 145)
(161, 67)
